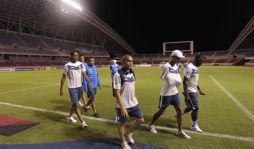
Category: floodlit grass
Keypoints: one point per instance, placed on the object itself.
(218, 112)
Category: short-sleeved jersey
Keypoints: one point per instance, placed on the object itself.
(127, 91)
(191, 72)
(171, 79)
(74, 72)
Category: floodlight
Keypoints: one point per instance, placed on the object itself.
(73, 4)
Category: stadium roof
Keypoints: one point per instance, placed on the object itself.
(57, 19)
(245, 38)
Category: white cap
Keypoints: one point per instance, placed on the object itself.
(114, 60)
(177, 53)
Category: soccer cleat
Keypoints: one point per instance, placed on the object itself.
(96, 115)
(80, 103)
(183, 135)
(84, 125)
(129, 137)
(86, 109)
(196, 128)
(151, 128)
(71, 119)
(124, 145)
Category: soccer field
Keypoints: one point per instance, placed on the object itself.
(225, 116)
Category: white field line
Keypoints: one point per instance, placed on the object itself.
(29, 82)
(144, 125)
(27, 89)
(234, 99)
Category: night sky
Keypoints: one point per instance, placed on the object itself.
(213, 26)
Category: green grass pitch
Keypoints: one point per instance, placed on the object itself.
(218, 114)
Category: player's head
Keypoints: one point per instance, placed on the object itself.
(198, 60)
(114, 61)
(176, 56)
(74, 56)
(82, 58)
(127, 61)
(90, 60)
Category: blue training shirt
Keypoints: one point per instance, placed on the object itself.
(114, 68)
(92, 73)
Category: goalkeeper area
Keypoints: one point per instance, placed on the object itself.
(225, 115)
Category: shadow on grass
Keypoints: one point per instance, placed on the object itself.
(76, 132)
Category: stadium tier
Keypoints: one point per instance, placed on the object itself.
(208, 60)
(10, 39)
(221, 53)
(207, 53)
(221, 61)
(5, 63)
(30, 41)
(232, 60)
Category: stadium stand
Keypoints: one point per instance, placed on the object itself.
(221, 53)
(221, 61)
(53, 44)
(10, 39)
(233, 60)
(32, 42)
(207, 53)
(24, 63)
(6, 63)
(208, 60)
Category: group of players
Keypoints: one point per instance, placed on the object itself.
(123, 83)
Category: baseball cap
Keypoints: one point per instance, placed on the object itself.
(177, 53)
(114, 60)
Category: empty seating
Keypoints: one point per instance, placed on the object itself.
(206, 53)
(24, 63)
(10, 39)
(221, 60)
(6, 63)
(232, 60)
(32, 41)
(41, 63)
(208, 60)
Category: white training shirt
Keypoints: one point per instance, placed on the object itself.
(171, 79)
(127, 91)
(74, 72)
(191, 72)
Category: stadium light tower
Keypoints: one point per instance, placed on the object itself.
(73, 4)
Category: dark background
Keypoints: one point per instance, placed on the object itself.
(145, 25)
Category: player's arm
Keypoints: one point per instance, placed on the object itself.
(87, 80)
(62, 84)
(200, 91)
(110, 67)
(119, 101)
(98, 82)
(185, 86)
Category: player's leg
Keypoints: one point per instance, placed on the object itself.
(121, 127)
(138, 114)
(194, 113)
(176, 102)
(187, 109)
(163, 104)
(179, 117)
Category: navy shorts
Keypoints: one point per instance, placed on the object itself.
(92, 93)
(75, 94)
(193, 102)
(165, 101)
(132, 112)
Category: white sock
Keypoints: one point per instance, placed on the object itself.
(194, 123)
